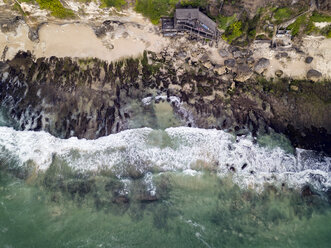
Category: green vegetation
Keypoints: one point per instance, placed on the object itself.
(317, 17)
(202, 4)
(154, 9)
(112, 3)
(326, 31)
(283, 13)
(233, 32)
(225, 21)
(18, 8)
(295, 27)
(56, 8)
(303, 25)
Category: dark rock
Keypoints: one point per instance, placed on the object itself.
(33, 35)
(237, 54)
(314, 75)
(121, 199)
(241, 60)
(281, 55)
(182, 54)
(309, 59)
(224, 53)
(243, 73)
(279, 73)
(306, 191)
(147, 198)
(230, 63)
(246, 53)
(261, 65)
(233, 49)
(204, 58)
(250, 60)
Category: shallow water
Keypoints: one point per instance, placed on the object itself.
(167, 187)
(191, 211)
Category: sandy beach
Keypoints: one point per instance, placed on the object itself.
(79, 40)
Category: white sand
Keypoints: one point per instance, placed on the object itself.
(322, 24)
(294, 66)
(15, 41)
(79, 40)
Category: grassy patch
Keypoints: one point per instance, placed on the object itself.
(282, 14)
(326, 31)
(317, 17)
(56, 8)
(113, 3)
(295, 27)
(233, 32)
(225, 21)
(154, 9)
(194, 3)
(302, 25)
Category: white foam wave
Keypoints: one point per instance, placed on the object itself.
(175, 149)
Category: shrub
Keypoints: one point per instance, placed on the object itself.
(282, 14)
(112, 3)
(154, 9)
(225, 21)
(56, 8)
(295, 27)
(316, 17)
(326, 31)
(233, 32)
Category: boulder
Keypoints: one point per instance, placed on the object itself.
(246, 53)
(314, 75)
(279, 73)
(237, 54)
(241, 60)
(204, 58)
(224, 53)
(33, 35)
(294, 88)
(308, 60)
(250, 60)
(230, 63)
(243, 73)
(220, 70)
(208, 65)
(182, 54)
(233, 49)
(261, 65)
(281, 55)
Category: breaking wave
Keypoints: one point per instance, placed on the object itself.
(174, 149)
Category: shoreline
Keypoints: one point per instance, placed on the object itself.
(112, 37)
(256, 166)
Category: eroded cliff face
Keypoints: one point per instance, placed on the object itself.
(88, 98)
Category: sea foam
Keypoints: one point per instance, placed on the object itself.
(174, 149)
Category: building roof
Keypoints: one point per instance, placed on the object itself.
(195, 14)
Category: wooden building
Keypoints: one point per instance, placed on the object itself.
(192, 21)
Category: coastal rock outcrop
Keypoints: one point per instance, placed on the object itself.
(314, 75)
(89, 98)
(261, 65)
